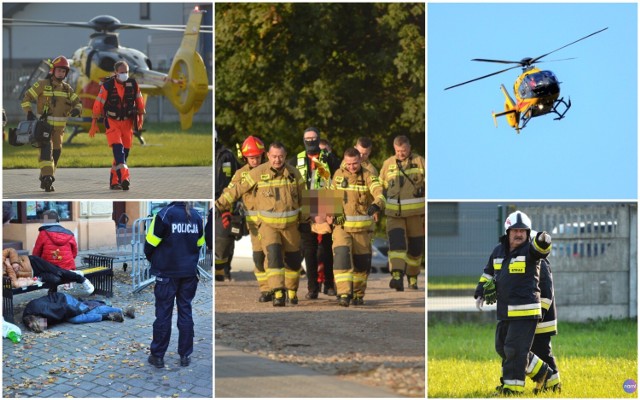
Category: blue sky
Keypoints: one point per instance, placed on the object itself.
(591, 154)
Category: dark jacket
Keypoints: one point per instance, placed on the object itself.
(208, 230)
(53, 307)
(57, 245)
(173, 242)
(226, 166)
(548, 326)
(517, 277)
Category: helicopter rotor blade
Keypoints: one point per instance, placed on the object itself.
(496, 61)
(97, 26)
(482, 77)
(567, 45)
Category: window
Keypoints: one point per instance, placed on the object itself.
(145, 11)
(31, 211)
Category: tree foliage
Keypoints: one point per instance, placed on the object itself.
(349, 69)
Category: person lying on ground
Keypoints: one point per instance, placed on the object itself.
(16, 267)
(56, 308)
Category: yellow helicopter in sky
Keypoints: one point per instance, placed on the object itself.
(536, 91)
(185, 85)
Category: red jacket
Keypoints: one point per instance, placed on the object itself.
(57, 245)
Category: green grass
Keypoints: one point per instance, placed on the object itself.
(166, 145)
(594, 360)
(452, 282)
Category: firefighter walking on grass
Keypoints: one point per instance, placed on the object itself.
(122, 105)
(403, 177)
(278, 188)
(511, 278)
(362, 200)
(56, 101)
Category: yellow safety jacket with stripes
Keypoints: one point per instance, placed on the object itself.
(278, 194)
(54, 97)
(249, 198)
(404, 184)
(516, 275)
(357, 192)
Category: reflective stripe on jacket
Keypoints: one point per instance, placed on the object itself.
(404, 183)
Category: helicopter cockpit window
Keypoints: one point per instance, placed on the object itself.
(542, 83)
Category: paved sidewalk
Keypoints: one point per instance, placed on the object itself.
(92, 183)
(242, 375)
(109, 359)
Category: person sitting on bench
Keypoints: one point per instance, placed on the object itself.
(57, 307)
(22, 269)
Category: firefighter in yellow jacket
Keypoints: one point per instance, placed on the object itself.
(403, 177)
(362, 200)
(278, 188)
(56, 101)
(253, 151)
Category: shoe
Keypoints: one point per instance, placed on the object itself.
(157, 362)
(227, 276)
(185, 361)
(396, 281)
(540, 385)
(311, 295)
(115, 187)
(278, 298)
(47, 183)
(125, 185)
(502, 391)
(87, 286)
(265, 297)
(115, 316)
(329, 290)
(357, 301)
(343, 300)
(413, 282)
(292, 297)
(130, 311)
(219, 278)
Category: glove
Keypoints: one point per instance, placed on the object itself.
(479, 302)
(339, 220)
(543, 239)
(226, 219)
(94, 128)
(372, 209)
(31, 116)
(140, 121)
(490, 294)
(74, 113)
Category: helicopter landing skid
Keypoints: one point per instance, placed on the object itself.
(559, 114)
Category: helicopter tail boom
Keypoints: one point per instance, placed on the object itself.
(510, 110)
(187, 85)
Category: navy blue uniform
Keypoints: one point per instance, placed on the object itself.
(173, 244)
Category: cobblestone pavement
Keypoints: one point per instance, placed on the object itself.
(109, 359)
(92, 183)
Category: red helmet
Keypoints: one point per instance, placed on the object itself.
(252, 146)
(59, 62)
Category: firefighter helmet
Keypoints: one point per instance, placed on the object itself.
(252, 147)
(517, 220)
(59, 62)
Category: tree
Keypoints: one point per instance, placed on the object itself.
(350, 69)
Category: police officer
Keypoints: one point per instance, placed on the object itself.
(278, 189)
(226, 166)
(511, 278)
(313, 164)
(122, 104)
(172, 246)
(56, 101)
(362, 201)
(253, 152)
(403, 177)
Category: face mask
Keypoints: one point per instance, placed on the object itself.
(123, 77)
(312, 146)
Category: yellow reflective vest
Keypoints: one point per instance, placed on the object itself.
(404, 183)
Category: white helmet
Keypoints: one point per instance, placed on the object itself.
(517, 220)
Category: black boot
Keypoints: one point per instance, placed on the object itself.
(278, 298)
(46, 183)
(396, 281)
(413, 282)
(344, 300)
(265, 297)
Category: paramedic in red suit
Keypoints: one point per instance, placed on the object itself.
(122, 105)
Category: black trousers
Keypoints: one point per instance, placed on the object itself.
(309, 244)
(51, 273)
(513, 344)
(542, 348)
